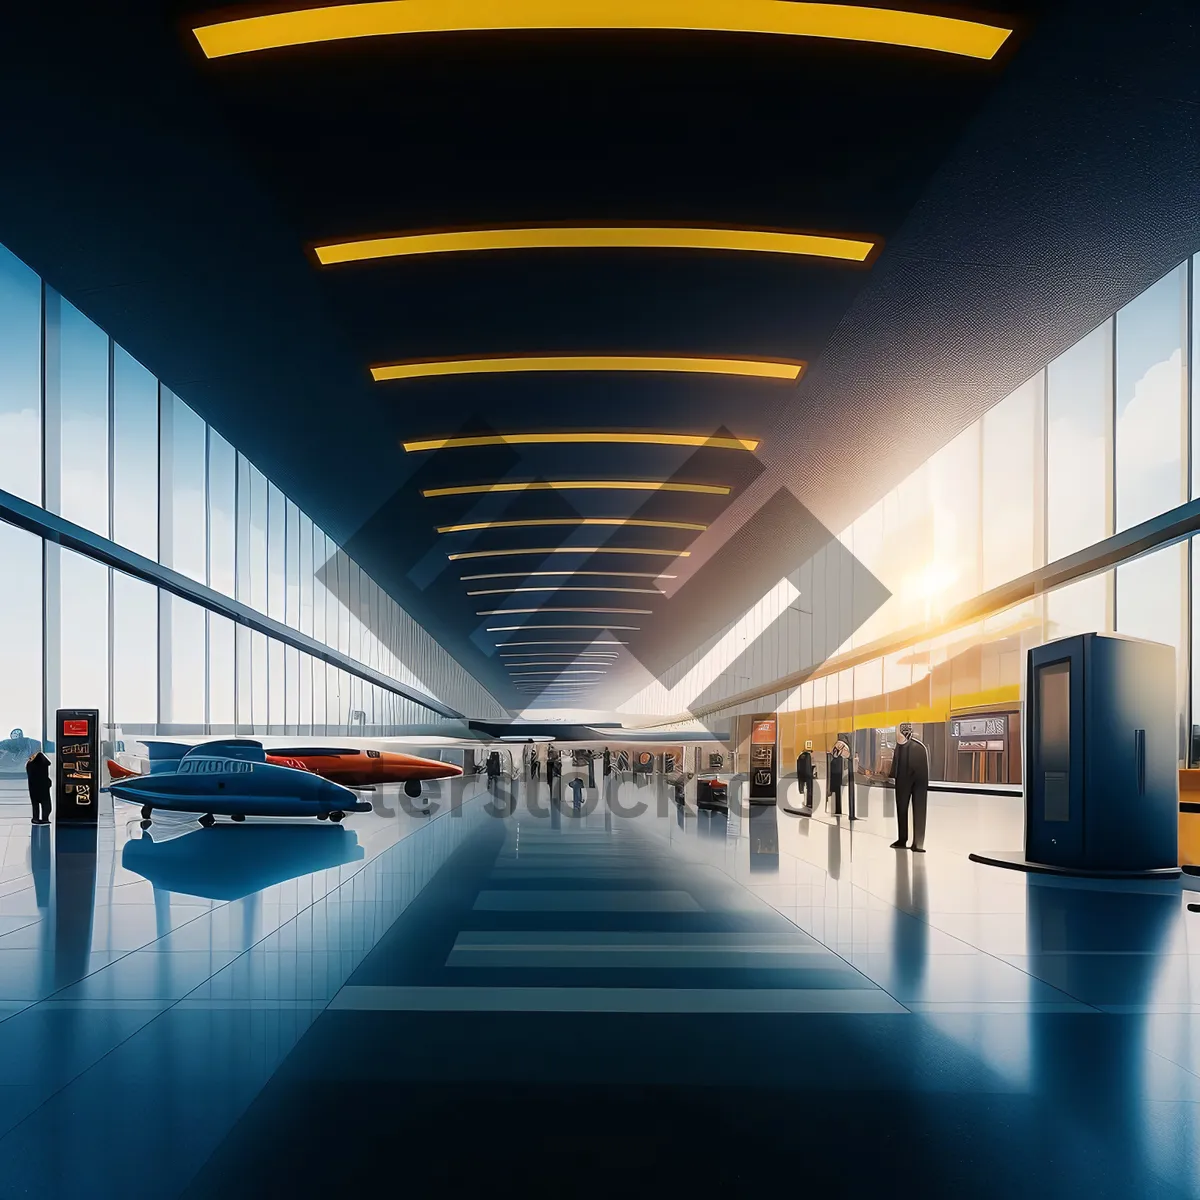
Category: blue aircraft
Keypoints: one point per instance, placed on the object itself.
(233, 778)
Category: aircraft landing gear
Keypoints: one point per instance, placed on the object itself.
(412, 788)
(322, 816)
(208, 820)
(336, 816)
(146, 813)
(237, 816)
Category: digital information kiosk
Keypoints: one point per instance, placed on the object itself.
(76, 766)
(1101, 761)
(764, 758)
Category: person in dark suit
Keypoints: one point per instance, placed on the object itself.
(910, 772)
(837, 775)
(805, 774)
(607, 761)
(37, 773)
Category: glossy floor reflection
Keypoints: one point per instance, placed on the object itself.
(515, 993)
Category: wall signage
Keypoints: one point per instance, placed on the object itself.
(980, 727)
(77, 766)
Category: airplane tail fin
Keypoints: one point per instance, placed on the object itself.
(242, 748)
(116, 771)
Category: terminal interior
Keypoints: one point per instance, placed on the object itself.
(599, 602)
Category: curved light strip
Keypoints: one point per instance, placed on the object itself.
(516, 612)
(566, 575)
(515, 591)
(752, 368)
(546, 522)
(842, 22)
(539, 628)
(579, 657)
(577, 439)
(568, 550)
(552, 674)
(580, 485)
(600, 237)
(581, 642)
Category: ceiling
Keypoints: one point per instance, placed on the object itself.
(1012, 203)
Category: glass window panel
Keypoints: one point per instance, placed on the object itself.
(1079, 407)
(221, 679)
(291, 667)
(183, 660)
(954, 481)
(276, 687)
(21, 647)
(258, 545)
(258, 681)
(1011, 449)
(1195, 374)
(243, 530)
(306, 694)
(276, 554)
(243, 659)
(20, 382)
(77, 416)
(1151, 417)
(1152, 604)
(222, 515)
(135, 455)
(135, 654)
(183, 532)
(293, 565)
(354, 624)
(76, 632)
(319, 696)
(320, 592)
(306, 575)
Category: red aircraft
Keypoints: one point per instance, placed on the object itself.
(350, 768)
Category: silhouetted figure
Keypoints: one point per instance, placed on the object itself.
(535, 765)
(910, 771)
(837, 775)
(37, 772)
(591, 769)
(805, 774)
(607, 761)
(576, 786)
(493, 767)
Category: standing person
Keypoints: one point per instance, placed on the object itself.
(607, 761)
(576, 786)
(535, 764)
(37, 773)
(805, 774)
(910, 771)
(493, 767)
(591, 769)
(837, 775)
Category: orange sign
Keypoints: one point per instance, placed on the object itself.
(763, 733)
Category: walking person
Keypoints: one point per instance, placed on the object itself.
(910, 772)
(37, 773)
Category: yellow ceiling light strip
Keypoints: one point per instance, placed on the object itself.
(568, 550)
(779, 18)
(746, 367)
(514, 591)
(580, 485)
(516, 612)
(539, 628)
(697, 440)
(581, 642)
(544, 522)
(567, 575)
(599, 237)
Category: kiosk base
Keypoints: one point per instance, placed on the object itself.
(1014, 860)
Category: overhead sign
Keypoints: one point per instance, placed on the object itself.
(77, 766)
(980, 727)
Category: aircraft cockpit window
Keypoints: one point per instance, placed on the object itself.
(372, 753)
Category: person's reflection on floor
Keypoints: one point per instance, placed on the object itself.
(835, 852)
(911, 933)
(39, 863)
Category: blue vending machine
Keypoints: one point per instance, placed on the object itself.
(1101, 781)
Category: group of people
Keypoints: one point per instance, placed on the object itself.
(909, 772)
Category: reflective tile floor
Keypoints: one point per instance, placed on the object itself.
(512, 994)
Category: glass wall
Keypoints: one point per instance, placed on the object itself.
(87, 431)
(1095, 443)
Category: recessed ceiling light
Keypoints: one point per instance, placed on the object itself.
(539, 628)
(779, 18)
(568, 550)
(698, 440)
(582, 642)
(752, 368)
(546, 522)
(580, 485)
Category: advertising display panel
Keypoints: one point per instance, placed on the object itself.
(76, 766)
(764, 758)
